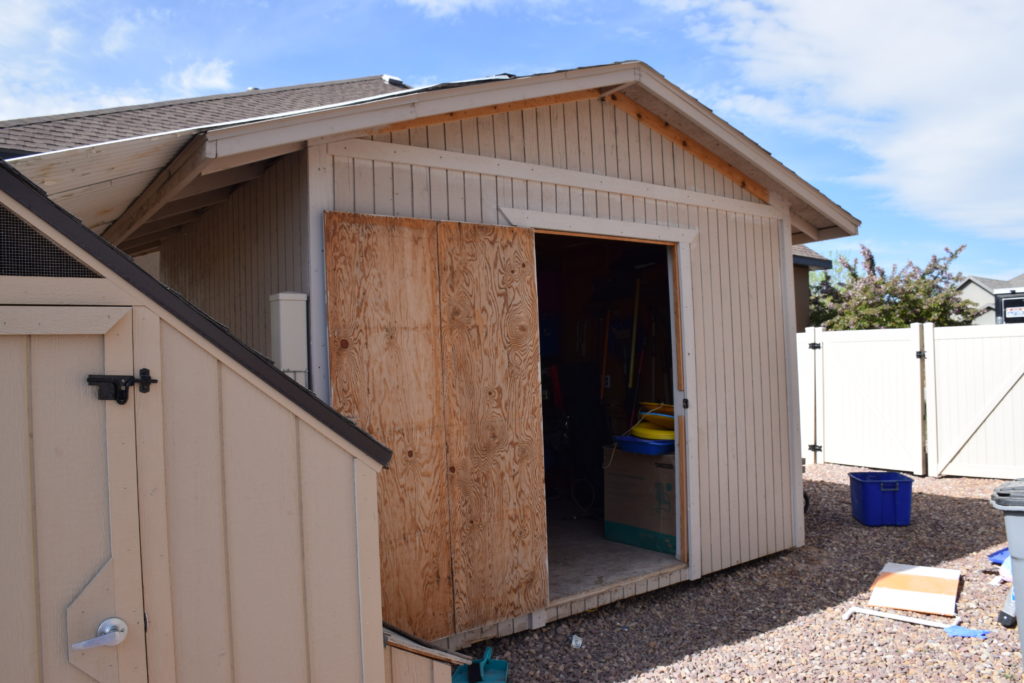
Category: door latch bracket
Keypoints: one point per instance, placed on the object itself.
(115, 387)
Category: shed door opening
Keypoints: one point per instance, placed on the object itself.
(606, 351)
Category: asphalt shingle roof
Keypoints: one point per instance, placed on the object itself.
(805, 256)
(19, 137)
(992, 283)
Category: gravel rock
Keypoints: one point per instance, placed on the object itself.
(780, 618)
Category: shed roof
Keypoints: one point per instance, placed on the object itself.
(19, 137)
(32, 198)
(125, 182)
(805, 256)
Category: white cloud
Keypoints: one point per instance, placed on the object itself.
(442, 8)
(23, 20)
(116, 38)
(930, 89)
(200, 77)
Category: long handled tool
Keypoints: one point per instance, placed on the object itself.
(898, 617)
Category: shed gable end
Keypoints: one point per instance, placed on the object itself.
(592, 136)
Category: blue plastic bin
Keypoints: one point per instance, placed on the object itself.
(880, 498)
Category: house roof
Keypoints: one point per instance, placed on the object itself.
(991, 284)
(805, 256)
(126, 182)
(29, 195)
(19, 137)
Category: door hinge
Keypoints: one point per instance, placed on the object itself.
(920, 354)
(814, 448)
(145, 623)
(814, 345)
(115, 387)
(686, 403)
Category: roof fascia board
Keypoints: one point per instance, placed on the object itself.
(812, 263)
(714, 125)
(238, 139)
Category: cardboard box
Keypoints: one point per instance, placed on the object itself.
(640, 500)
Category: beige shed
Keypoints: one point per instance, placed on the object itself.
(498, 271)
(158, 472)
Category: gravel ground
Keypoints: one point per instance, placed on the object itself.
(779, 618)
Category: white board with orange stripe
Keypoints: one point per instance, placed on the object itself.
(919, 589)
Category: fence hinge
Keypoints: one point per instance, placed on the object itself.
(814, 345)
(920, 354)
(814, 448)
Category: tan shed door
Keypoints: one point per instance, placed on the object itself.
(435, 351)
(69, 526)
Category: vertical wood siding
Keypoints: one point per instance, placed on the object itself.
(401, 666)
(742, 432)
(588, 136)
(240, 252)
(262, 525)
(742, 422)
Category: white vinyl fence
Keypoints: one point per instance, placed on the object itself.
(922, 399)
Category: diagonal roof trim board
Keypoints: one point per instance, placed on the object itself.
(403, 106)
(31, 203)
(379, 114)
(234, 143)
(750, 151)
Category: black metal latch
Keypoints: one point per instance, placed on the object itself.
(115, 387)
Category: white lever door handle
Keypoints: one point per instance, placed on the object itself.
(109, 633)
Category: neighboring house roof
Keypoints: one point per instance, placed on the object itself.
(803, 256)
(19, 137)
(32, 197)
(126, 182)
(991, 284)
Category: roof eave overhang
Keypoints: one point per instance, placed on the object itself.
(812, 263)
(329, 122)
(828, 219)
(814, 216)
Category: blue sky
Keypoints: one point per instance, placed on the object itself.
(909, 114)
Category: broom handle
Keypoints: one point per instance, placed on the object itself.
(632, 345)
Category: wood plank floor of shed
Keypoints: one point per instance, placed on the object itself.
(581, 559)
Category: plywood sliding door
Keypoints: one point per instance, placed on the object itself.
(384, 328)
(491, 352)
(435, 351)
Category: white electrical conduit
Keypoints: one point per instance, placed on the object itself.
(897, 617)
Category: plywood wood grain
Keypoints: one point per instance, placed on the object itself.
(492, 407)
(384, 327)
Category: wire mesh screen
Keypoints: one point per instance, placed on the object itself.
(24, 252)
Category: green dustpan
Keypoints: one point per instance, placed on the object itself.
(486, 669)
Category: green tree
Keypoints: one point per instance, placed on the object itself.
(860, 295)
